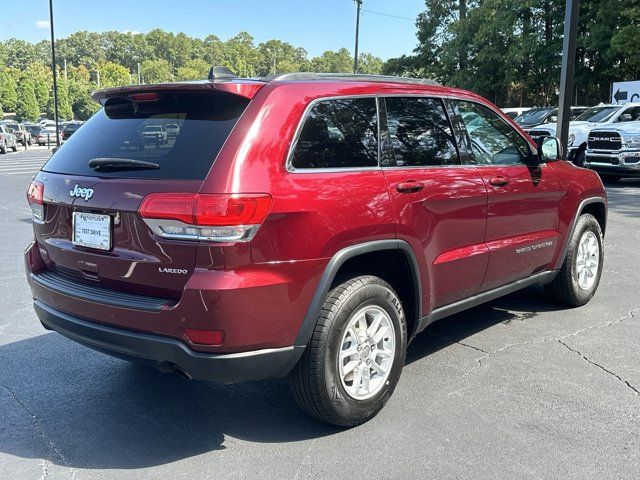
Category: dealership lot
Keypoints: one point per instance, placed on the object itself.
(515, 388)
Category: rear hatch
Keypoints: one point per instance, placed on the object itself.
(94, 184)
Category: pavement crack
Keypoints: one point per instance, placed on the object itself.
(39, 429)
(458, 342)
(604, 369)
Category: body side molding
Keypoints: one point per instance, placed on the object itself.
(459, 306)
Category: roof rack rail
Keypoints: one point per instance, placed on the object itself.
(365, 77)
(221, 73)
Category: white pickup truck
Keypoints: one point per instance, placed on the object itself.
(614, 151)
(579, 128)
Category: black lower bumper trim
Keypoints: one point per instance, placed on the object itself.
(170, 354)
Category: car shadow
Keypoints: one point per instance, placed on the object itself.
(82, 409)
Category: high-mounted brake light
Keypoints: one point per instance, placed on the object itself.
(144, 97)
(35, 197)
(213, 217)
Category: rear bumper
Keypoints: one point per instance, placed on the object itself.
(169, 354)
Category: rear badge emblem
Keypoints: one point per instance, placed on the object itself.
(181, 271)
(78, 192)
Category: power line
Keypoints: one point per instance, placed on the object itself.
(388, 15)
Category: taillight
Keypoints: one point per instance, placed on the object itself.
(212, 217)
(35, 197)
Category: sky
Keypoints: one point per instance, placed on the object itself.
(314, 25)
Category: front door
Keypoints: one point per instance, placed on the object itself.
(439, 204)
(522, 219)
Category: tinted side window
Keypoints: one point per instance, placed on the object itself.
(419, 133)
(340, 133)
(631, 114)
(493, 141)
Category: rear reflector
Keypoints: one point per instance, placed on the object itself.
(35, 197)
(205, 337)
(216, 217)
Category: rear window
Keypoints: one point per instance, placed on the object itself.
(121, 131)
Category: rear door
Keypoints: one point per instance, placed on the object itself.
(92, 232)
(523, 211)
(439, 204)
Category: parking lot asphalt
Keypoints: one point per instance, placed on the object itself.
(517, 388)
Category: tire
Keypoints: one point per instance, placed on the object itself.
(316, 381)
(606, 178)
(567, 287)
(15, 146)
(3, 148)
(579, 159)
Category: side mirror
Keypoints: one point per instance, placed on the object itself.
(553, 119)
(625, 117)
(10, 130)
(549, 149)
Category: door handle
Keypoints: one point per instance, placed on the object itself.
(409, 186)
(499, 181)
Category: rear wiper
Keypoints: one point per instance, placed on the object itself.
(121, 164)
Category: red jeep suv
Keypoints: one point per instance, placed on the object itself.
(307, 225)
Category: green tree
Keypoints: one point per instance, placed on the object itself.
(112, 74)
(196, 69)
(368, 63)
(40, 74)
(156, 71)
(333, 62)
(280, 57)
(27, 106)
(65, 112)
(19, 53)
(8, 92)
(80, 87)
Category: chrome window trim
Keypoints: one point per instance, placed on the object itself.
(456, 98)
(296, 136)
(441, 98)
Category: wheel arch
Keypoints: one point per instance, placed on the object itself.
(346, 261)
(595, 206)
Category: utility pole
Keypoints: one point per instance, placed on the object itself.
(568, 65)
(355, 54)
(53, 67)
(65, 69)
(139, 76)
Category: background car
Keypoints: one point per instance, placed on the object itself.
(173, 129)
(580, 126)
(22, 134)
(514, 112)
(47, 135)
(68, 130)
(7, 139)
(154, 134)
(34, 131)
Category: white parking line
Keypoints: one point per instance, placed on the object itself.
(32, 172)
(24, 162)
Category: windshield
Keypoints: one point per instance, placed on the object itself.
(597, 114)
(534, 116)
(118, 132)
(14, 126)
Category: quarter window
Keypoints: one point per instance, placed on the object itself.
(339, 133)
(493, 141)
(419, 133)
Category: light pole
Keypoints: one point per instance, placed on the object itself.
(53, 68)
(355, 54)
(566, 73)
